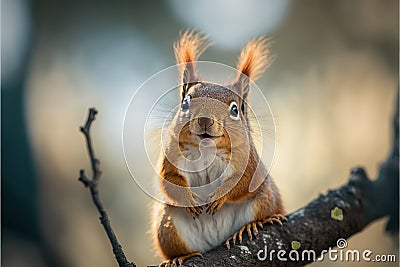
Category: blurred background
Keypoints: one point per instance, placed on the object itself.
(332, 90)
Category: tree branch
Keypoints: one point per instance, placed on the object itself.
(92, 184)
(361, 201)
(314, 227)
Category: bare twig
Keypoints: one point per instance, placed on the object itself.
(92, 184)
(361, 200)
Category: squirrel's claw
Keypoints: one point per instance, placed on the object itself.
(194, 209)
(252, 229)
(196, 197)
(278, 218)
(179, 260)
(213, 204)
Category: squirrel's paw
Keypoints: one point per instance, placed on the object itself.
(179, 260)
(215, 203)
(278, 218)
(251, 229)
(193, 207)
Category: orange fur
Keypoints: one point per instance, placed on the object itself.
(185, 134)
(269, 201)
(188, 49)
(190, 46)
(255, 58)
(168, 241)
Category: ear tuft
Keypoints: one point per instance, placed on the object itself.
(187, 50)
(190, 46)
(255, 57)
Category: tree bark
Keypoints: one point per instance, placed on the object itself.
(315, 227)
(361, 200)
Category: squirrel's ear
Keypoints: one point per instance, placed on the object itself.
(187, 50)
(254, 59)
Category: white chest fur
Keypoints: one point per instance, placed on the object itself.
(206, 171)
(209, 231)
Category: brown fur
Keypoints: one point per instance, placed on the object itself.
(168, 242)
(190, 46)
(266, 201)
(187, 50)
(255, 58)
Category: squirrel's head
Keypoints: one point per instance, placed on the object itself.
(211, 111)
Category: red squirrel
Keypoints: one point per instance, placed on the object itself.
(211, 129)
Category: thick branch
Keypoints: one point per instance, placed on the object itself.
(92, 184)
(361, 201)
(313, 227)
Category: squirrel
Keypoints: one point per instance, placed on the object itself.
(210, 160)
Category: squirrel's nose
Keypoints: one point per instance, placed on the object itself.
(205, 122)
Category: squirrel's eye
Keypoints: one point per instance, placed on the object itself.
(234, 111)
(186, 103)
